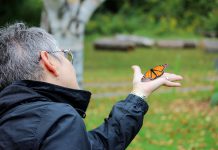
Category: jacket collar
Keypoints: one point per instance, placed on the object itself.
(26, 90)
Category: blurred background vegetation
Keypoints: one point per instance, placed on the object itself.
(156, 17)
(178, 118)
(150, 17)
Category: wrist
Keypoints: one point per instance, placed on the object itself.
(139, 94)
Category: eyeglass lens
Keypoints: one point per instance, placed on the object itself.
(69, 55)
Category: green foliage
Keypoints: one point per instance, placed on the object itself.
(144, 17)
(160, 17)
(28, 11)
(211, 22)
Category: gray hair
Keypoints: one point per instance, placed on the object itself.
(20, 48)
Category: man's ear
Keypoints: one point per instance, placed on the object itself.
(48, 63)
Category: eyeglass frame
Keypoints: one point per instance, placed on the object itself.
(68, 54)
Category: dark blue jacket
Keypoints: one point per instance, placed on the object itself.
(36, 115)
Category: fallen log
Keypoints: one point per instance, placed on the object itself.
(190, 44)
(176, 44)
(170, 44)
(113, 44)
(210, 45)
(140, 41)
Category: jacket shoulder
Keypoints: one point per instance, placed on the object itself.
(27, 124)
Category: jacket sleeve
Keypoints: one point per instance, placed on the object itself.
(122, 125)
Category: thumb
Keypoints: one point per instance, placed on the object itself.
(137, 73)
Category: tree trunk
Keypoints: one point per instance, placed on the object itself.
(66, 20)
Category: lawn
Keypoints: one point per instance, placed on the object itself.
(178, 118)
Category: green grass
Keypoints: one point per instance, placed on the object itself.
(175, 120)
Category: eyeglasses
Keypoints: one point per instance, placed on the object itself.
(67, 54)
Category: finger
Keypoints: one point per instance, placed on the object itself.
(137, 73)
(172, 77)
(172, 84)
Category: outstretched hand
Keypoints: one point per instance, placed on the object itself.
(146, 88)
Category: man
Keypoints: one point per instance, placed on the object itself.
(41, 105)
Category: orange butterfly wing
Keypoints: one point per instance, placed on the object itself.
(158, 70)
(148, 74)
(155, 72)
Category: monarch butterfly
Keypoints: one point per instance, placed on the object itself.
(154, 73)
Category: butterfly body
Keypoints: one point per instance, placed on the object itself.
(154, 73)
